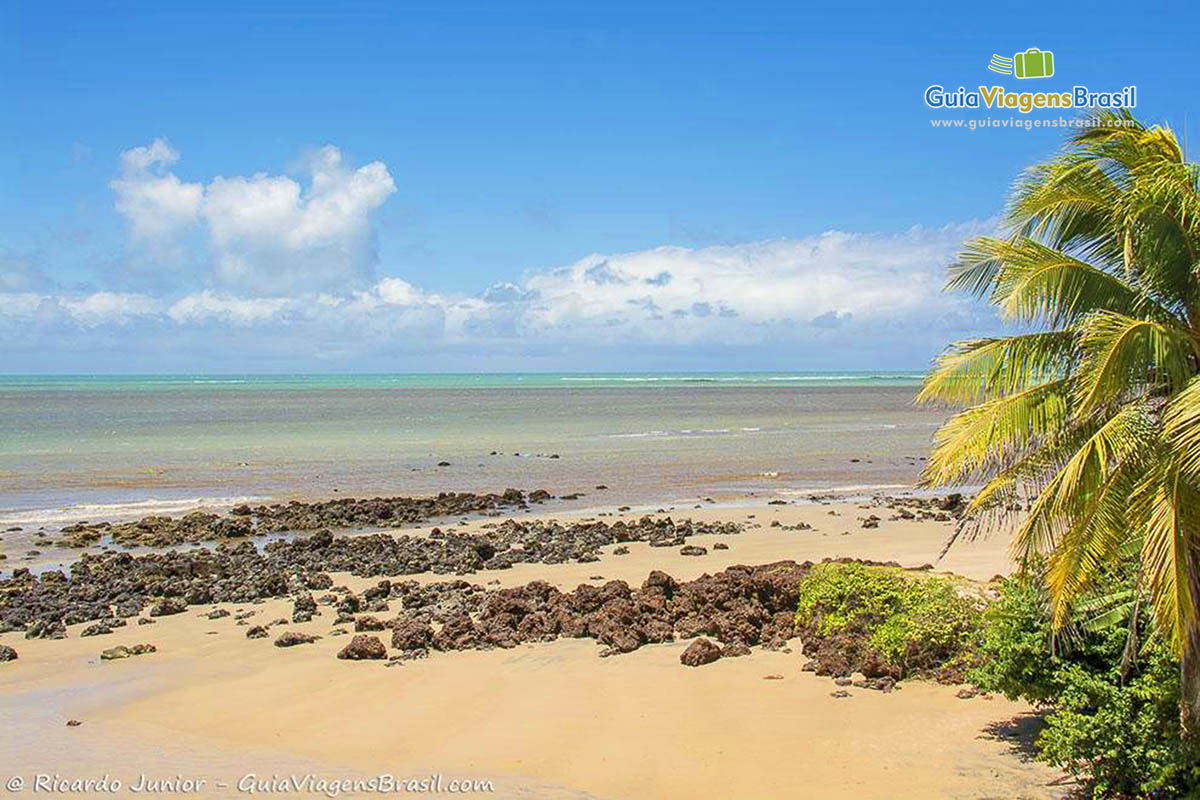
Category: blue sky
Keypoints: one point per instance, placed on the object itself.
(500, 179)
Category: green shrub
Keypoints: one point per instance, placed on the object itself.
(915, 623)
(1121, 733)
(1019, 660)
(1124, 738)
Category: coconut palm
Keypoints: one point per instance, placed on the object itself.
(1087, 421)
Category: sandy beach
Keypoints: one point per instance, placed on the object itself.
(541, 720)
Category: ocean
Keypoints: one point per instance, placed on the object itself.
(115, 447)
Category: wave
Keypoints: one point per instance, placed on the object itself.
(676, 434)
(114, 512)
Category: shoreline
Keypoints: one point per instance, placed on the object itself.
(529, 717)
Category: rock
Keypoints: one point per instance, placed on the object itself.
(774, 677)
(217, 613)
(410, 634)
(884, 684)
(362, 648)
(966, 693)
(293, 638)
(621, 551)
(146, 621)
(700, 652)
(734, 649)
(693, 550)
(839, 693)
(73, 723)
(121, 651)
(168, 606)
(96, 629)
(46, 629)
(951, 502)
(720, 546)
(7, 653)
(303, 608)
(257, 632)
(369, 624)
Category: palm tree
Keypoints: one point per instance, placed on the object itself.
(1085, 425)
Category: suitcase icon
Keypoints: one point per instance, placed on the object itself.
(1033, 63)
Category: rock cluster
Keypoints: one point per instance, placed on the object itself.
(108, 587)
(244, 520)
(740, 606)
(939, 509)
(505, 544)
(114, 586)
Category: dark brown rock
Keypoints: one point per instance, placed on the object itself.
(363, 648)
(293, 638)
(700, 652)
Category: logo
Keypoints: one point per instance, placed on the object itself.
(1033, 63)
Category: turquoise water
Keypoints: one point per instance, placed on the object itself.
(111, 447)
(537, 380)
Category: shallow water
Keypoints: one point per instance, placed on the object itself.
(75, 448)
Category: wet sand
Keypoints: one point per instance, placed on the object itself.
(543, 720)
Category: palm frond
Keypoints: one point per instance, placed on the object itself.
(1167, 505)
(1123, 357)
(991, 434)
(985, 369)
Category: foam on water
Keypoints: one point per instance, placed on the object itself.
(115, 512)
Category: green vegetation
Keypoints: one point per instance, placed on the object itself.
(1092, 414)
(1109, 686)
(1112, 700)
(917, 624)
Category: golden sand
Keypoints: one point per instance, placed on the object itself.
(541, 721)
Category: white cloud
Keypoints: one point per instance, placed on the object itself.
(157, 204)
(207, 306)
(117, 308)
(811, 299)
(266, 234)
(749, 291)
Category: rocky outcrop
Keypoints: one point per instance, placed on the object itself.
(500, 547)
(244, 520)
(740, 607)
(111, 586)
